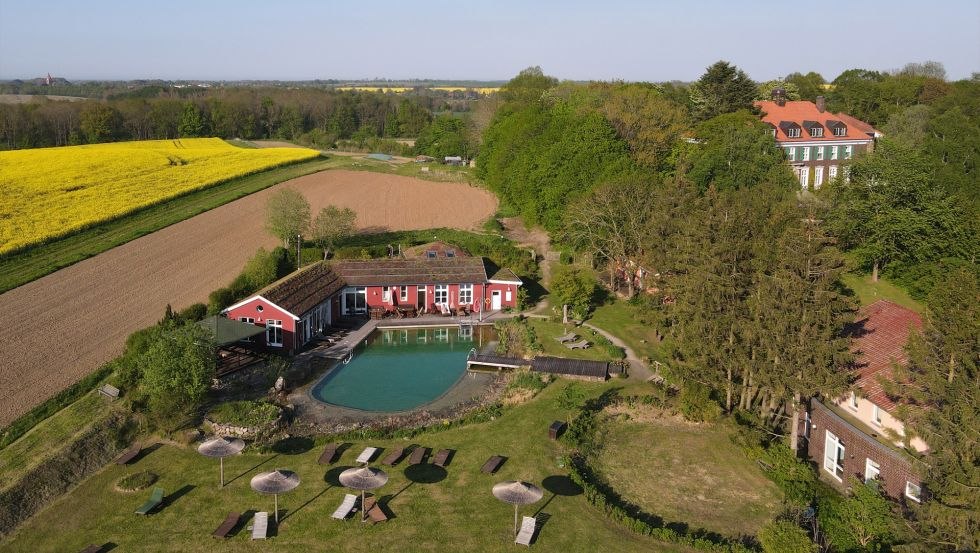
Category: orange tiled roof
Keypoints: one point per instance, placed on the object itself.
(800, 111)
(880, 333)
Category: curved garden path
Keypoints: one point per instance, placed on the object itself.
(63, 326)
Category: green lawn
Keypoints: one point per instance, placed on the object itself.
(49, 436)
(869, 292)
(688, 473)
(547, 331)
(457, 513)
(31, 264)
(626, 322)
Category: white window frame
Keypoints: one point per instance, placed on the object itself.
(791, 153)
(875, 415)
(816, 132)
(247, 320)
(507, 296)
(441, 290)
(804, 175)
(848, 151)
(806, 153)
(832, 172)
(871, 470)
(465, 294)
(913, 491)
(270, 325)
(853, 402)
(840, 131)
(817, 176)
(386, 294)
(403, 293)
(819, 153)
(834, 151)
(793, 132)
(830, 463)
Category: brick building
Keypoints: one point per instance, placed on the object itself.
(857, 435)
(817, 143)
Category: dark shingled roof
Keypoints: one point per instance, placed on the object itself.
(506, 275)
(304, 290)
(393, 272)
(573, 367)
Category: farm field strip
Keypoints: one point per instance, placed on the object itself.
(71, 321)
(51, 192)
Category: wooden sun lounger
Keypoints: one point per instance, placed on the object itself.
(92, 549)
(492, 464)
(230, 522)
(155, 500)
(442, 458)
(527, 531)
(260, 525)
(584, 344)
(567, 337)
(346, 507)
(392, 458)
(418, 455)
(366, 455)
(129, 455)
(374, 511)
(329, 452)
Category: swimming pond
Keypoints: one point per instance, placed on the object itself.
(401, 369)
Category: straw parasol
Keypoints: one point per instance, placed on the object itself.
(275, 482)
(363, 478)
(221, 447)
(517, 493)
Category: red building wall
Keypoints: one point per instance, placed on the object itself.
(261, 311)
(375, 295)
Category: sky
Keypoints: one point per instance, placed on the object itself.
(631, 40)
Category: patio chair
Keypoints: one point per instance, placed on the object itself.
(156, 498)
(583, 344)
(230, 522)
(528, 525)
(442, 458)
(571, 336)
(329, 452)
(260, 525)
(346, 507)
(492, 464)
(418, 455)
(129, 455)
(374, 510)
(392, 458)
(366, 455)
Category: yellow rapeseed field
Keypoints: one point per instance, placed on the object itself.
(50, 192)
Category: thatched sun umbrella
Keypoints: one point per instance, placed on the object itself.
(221, 447)
(517, 493)
(363, 478)
(275, 482)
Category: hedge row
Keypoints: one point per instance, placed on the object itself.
(59, 473)
(52, 405)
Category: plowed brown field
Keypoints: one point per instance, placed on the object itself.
(59, 328)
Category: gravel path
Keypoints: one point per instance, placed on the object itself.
(63, 326)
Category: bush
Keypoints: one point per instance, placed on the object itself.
(575, 287)
(527, 380)
(785, 537)
(791, 474)
(177, 369)
(250, 414)
(516, 337)
(696, 404)
(193, 313)
(137, 481)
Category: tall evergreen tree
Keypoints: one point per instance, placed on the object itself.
(724, 88)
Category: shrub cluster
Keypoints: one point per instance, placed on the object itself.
(249, 414)
(137, 481)
(262, 269)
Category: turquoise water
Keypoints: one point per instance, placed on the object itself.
(400, 369)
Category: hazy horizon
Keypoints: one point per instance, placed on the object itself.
(622, 39)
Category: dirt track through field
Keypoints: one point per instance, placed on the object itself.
(61, 327)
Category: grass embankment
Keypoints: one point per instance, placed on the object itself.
(546, 332)
(455, 511)
(688, 473)
(868, 292)
(626, 322)
(49, 436)
(22, 267)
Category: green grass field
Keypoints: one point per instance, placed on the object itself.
(623, 320)
(547, 331)
(31, 264)
(439, 511)
(688, 473)
(869, 292)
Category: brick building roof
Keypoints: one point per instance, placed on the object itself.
(804, 114)
(302, 291)
(440, 248)
(879, 336)
(394, 272)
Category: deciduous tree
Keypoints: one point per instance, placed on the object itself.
(287, 215)
(177, 368)
(331, 226)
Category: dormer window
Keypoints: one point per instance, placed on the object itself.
(431, 254)
(813, 128)
(450, 253)
(839, 128)
(793, 133)
(791, 129)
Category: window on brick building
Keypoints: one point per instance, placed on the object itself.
(833, 456)
(871, 470)
(853, 402)
(913, 491)
(876, 415)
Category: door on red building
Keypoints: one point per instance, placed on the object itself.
(420, 297)
(495, 300)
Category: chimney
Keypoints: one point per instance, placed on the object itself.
(821, 104)
(779, 96)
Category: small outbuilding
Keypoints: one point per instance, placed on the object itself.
(571, 368)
